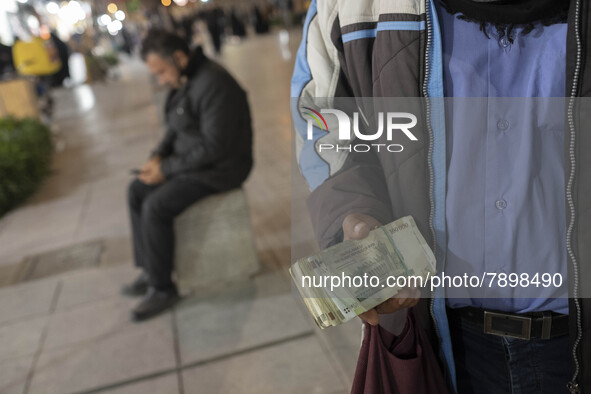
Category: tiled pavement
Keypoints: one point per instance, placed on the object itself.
(252, 337)
(71, 332)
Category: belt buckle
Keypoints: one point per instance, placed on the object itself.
(523, 320)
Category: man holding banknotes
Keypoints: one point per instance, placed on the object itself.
(497, 181)
(206, 149)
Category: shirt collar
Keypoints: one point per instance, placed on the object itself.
(508, 12)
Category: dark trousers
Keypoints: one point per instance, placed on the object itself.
(152, 210)
(492, 364)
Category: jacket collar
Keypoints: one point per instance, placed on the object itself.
(196, 59)
(509, 12)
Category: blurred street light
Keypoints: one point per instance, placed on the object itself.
(33, 23)
(52, 7)
(120, 15)
(114, 27)
(104, 20)
(112, 8)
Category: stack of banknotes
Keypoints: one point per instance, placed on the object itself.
(352, 277)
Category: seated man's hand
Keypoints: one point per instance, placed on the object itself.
(358, 226)
(151, 172)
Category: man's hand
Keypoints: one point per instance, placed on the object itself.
(358, 226)
(151, 173)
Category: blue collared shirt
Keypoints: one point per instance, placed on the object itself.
(505, 206)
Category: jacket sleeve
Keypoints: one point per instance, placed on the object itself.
(341, 183)
(165, 146)
(213, 141)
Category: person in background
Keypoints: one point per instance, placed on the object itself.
(207, 149)
(260, 20)
(238, 27)
(63, 52)
(215, 19)
(6, 62)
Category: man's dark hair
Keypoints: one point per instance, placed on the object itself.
(163, 44)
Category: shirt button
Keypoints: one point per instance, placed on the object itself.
(504, 42)
(501, 204)
(180, 110)
(502, 124)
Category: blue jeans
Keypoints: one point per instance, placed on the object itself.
(487, 363)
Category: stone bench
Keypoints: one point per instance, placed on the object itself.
(214, 243)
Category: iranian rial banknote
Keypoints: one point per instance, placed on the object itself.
(354, 276)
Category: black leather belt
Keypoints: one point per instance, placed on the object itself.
(543, 325)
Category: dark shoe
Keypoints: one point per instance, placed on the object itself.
(154, 302)
(138, 287)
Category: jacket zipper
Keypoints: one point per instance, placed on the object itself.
(430, 151)
(573, 386)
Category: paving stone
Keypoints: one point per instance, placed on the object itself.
(297, 366)
(62, 260)
(13, 374)
(26, 300)
(124, 355)
(248, 315)
(94, 284)
(118, 250)
(167, 384)
(95, 321)
(106, 213)
(21, 338)
(43, 226)
(9, 274)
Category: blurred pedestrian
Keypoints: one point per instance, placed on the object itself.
(238, 27)
(6, 62)
(63, 52)
(260, 21)
(215, 19)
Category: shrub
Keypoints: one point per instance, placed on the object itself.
(25, 158)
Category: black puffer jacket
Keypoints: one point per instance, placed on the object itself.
(209, 133)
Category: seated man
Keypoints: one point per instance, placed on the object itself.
(206, 149)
